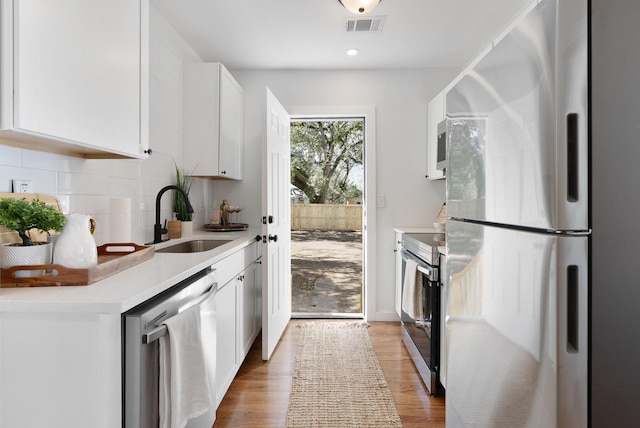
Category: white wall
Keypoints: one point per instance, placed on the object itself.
(85, 186)
(400, 99)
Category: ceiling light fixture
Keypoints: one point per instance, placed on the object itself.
(352, 52)
(359, 6)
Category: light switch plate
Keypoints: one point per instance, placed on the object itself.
(381, 201)
(22, 186)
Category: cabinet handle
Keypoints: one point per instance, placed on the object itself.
(273, 238)
(148, 151)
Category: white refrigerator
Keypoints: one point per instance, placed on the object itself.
(530, 323)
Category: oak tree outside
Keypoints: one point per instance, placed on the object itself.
(327, 159)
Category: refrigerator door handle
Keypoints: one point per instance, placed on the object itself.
(572, 310)
(573, 170)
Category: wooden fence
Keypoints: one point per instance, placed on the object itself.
(326, 217)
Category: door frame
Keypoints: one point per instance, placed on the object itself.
(368, 113)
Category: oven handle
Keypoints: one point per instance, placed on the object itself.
(161, 330)
(425, 270)
(429, 271)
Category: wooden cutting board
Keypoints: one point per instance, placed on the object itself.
(442, 216)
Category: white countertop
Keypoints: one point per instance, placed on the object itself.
(124, 290)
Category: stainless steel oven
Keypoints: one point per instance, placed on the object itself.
(421, 312)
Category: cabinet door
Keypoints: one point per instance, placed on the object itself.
(212, 128)
(80, 73)
(231, 109)
(436, 114)
(258, 294)
(226, 334)
(247, 310)
(444, 313)
(398, 262)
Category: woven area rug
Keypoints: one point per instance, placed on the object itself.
(337, 380)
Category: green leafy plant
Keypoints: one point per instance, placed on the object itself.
(21, 215)
(183, 181)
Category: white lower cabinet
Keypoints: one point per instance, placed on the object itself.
(60, 370)
(246, 310)
(68, 364)
(226, 349)
(444, 311)
(237, 321)
(398, 262)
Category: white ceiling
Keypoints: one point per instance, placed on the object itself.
(310, 35)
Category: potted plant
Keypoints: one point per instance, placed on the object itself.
(22, 216)
(184, 181)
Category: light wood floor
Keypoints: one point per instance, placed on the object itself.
(259, 395)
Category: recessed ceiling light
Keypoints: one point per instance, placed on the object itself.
(352, 52)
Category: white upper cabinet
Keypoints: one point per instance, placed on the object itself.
(436, 114)
(213, 121)
(74, 76)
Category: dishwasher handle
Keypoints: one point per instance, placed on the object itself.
(161, 330)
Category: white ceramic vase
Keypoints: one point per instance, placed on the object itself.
(76, 247)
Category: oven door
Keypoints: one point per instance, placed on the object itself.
(421, 333)
(426, 282)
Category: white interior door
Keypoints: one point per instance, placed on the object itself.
(276, 226)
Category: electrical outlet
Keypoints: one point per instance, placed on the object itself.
(22, 186)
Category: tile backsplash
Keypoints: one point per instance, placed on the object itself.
(87, 185)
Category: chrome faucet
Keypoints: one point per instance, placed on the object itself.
(157, 228)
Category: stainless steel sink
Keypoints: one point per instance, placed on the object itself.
(195, 246)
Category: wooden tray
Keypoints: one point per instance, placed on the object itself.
(231, 227)
(112, 258)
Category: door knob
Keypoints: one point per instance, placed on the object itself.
(273, 238)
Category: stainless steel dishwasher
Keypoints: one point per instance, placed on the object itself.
(141, 329)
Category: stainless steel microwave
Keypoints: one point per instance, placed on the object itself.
(441, 155)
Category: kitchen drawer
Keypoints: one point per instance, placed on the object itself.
(229, 267)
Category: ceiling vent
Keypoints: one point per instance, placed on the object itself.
(370, 24)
